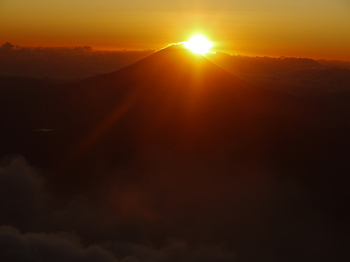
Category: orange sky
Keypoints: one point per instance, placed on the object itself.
(307, 28)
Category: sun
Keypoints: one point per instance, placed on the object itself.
(199, 44)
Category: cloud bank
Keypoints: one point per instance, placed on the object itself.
(63, 63)
(36, 226)
(15, 246)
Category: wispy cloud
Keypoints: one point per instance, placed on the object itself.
(45, 130)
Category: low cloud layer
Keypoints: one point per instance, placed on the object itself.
(289, 74)
(35, 226)
(63, 63)
(176, 251)
(23, 200)
(15, 246)
(284, 73)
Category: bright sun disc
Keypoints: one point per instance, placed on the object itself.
(199, 44)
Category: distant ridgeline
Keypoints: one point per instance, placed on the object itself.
(289, 74)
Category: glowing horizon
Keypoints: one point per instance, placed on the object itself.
(314, 29)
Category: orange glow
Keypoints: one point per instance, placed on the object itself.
(238, 27)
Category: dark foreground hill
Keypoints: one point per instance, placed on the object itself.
(175, 146)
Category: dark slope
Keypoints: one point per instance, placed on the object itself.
(180, 103)
(172, 99)
(210, 156)
(172, 93)
(173, 75)
(175, 101)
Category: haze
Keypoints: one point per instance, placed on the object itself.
(310, 28)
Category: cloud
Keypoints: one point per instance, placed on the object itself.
(63, 63)
(289, 74)
(26, 203)
(22, 195)
(45, 130)
(38, 226)
(15, 246)
(8, 46)
(175, 251)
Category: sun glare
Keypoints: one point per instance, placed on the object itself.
(199, 44)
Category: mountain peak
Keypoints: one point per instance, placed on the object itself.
(180, 50)
(178, 55)
(174, 65)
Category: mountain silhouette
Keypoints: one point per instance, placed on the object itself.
(172, 75)
(172, 100)
(173, 85)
